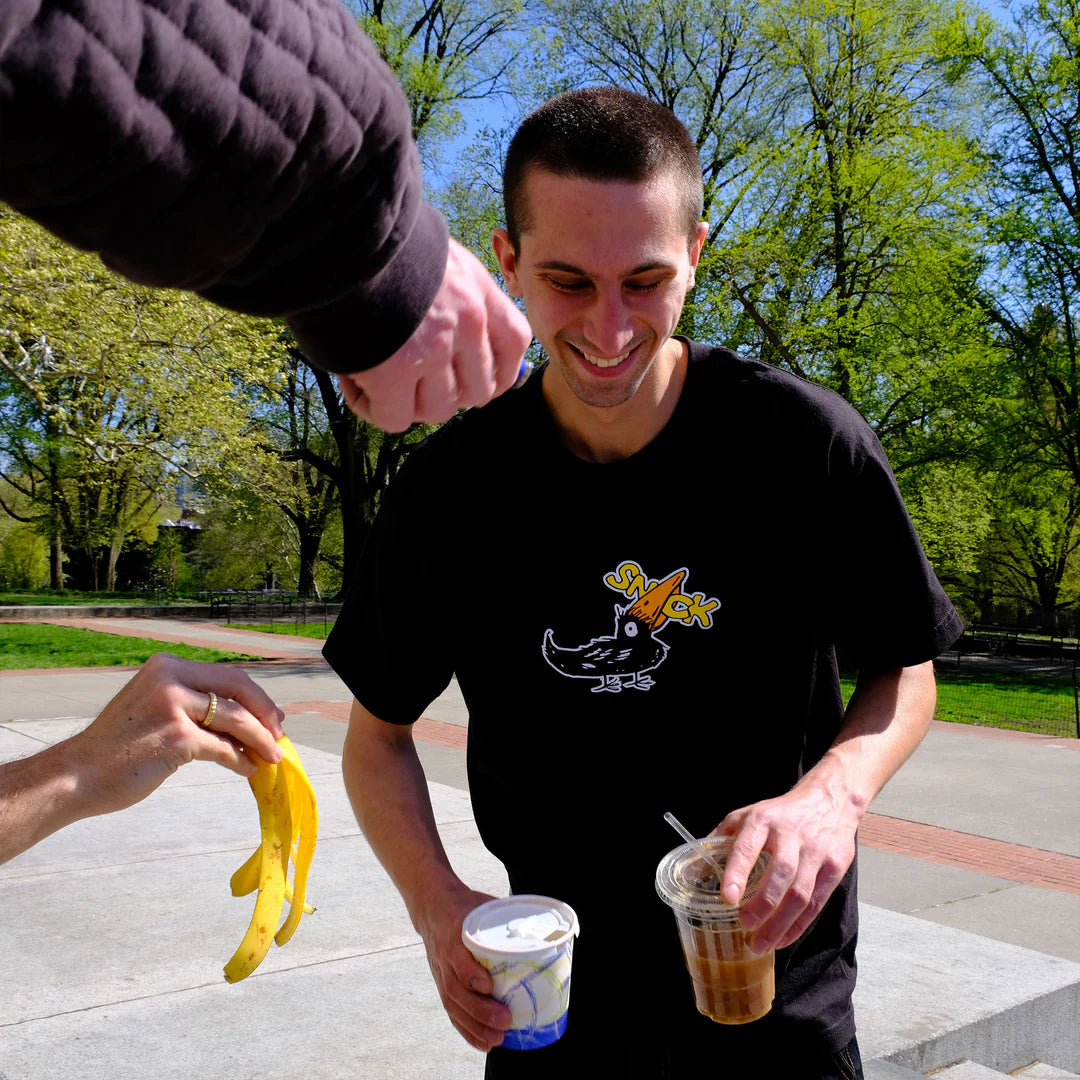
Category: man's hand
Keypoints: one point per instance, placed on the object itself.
(151, 728)
(467, 350)
(810, 832)
(810, 836)
(154, 725)
(464, 985)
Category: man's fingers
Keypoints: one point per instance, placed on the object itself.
(823, 890)
(466, 974)
(829, 874)
(223, 751)
(232, 719)
(509, 334)
(778, 878)
(479, 1018)
(353, 395)
(749, 840)
(436, 395)
(232, 683)
(391, 394)
(794, 904)
(483, 1038)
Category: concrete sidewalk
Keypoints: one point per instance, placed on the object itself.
(116, 928)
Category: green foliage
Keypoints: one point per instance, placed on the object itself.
(24, 560)
(111, 393)
(443, 54)
(951, 511)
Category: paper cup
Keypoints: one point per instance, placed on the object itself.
(531, 974)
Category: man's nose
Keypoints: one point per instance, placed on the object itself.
(608, 324)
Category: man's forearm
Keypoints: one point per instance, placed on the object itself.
(38, 795)
(389, 795)
(810, 830)
(887, 717)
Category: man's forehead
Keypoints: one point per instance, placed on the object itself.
(581, 225)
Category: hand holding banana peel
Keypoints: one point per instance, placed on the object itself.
(288, 820)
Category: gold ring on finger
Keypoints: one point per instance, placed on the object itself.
(211, 711)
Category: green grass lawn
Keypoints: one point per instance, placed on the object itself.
(67, 598)
(311, 629)
(1042, 704)
(35, 645)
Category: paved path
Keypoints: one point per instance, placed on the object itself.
(977, 833)
(205, 632)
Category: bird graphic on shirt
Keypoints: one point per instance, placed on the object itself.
(620, 660)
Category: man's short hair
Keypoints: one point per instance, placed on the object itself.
(601, 133)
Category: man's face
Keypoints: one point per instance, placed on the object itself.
(604, 268)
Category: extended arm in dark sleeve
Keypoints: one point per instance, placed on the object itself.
(257, 152)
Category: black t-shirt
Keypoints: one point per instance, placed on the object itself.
(652, 634)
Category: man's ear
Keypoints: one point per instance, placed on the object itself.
(504, 252)
(695, 249)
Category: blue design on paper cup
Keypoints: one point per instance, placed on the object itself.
(533, 1039)
(536, 987)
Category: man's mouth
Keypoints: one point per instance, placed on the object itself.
(603, 361)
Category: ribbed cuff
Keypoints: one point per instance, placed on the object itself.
(373, 320)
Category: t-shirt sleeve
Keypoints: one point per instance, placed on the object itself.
(391, 643)
(257, 152)
(887, 607)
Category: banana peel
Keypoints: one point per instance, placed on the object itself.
(288, 823)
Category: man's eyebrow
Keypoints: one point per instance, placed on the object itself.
(647, 267)
(568, 268)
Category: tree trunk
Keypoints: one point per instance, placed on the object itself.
(310, 539)
(110, 574)
(56, 563)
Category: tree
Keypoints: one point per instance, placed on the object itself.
(705, 60)
(443, 52)
(1030, 75)
(110, 393)
(286, 466)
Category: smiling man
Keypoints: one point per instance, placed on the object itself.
(646, 560)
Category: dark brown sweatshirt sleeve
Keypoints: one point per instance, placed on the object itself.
(257, 152)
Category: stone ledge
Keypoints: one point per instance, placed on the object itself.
(929, 996)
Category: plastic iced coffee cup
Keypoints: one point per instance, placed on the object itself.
(526, 942)
(732, 984)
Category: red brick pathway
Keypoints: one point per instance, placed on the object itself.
(1030, 866)
(435, 731)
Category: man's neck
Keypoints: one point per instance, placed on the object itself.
(604, 435)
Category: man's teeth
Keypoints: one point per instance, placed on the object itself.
(600, 361)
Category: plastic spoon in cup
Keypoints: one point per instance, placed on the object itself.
(690, 838)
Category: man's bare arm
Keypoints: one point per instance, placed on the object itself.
(389, 795)
(810, 831)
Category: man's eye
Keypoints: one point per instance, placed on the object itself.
(643, 286)
(568, 286)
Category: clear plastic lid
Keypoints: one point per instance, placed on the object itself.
(688, 883)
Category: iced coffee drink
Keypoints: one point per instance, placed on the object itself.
(732, 984)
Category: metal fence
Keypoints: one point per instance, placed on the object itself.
(1004, 676)
(272, 606)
